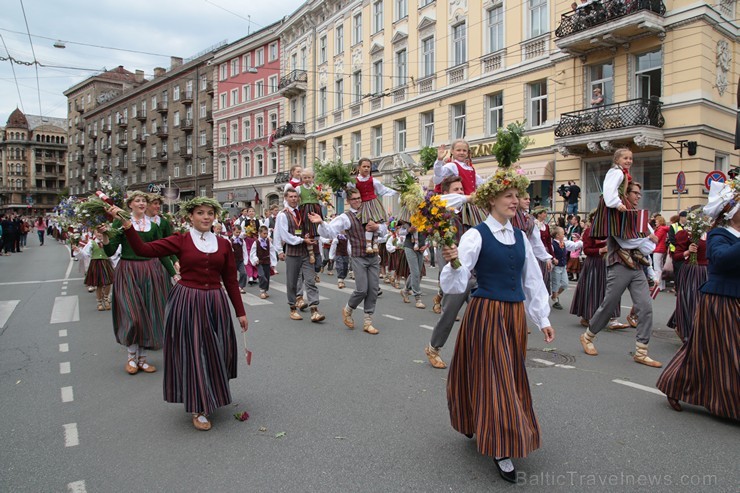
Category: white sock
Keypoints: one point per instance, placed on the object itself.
(505, 464)
(349, 310)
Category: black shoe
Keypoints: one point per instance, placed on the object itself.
(380, 293)
(508, 476)
(469, 435)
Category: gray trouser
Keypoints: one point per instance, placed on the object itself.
(415, 260)
(451, 305)
(295, 266)
(367, 271)
(618, 279)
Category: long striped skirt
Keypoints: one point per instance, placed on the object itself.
(611, 222)
(591, 289)
(691, 277)
(308, 226)
(545, 276)
(706, 369)
(140, 290)
(394, 259)
(472, 215)
(487, 387)
(404, 215)
(402, 267)
(100, 273)
(200, 353)
(384, 255)
(372, 210)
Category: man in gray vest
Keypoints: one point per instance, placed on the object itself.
(290, 229)
(366, 266)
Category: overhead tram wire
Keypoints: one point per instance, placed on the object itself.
(36, 66)
(15, 77)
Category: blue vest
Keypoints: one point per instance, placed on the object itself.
(499, 267)
(723, 252)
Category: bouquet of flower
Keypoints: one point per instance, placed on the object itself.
(114, 188)
(433, 218)
(411, 192)
(427, 158)
(324, 196)
(697, 225)
(66, 208)
(510, 142)
(250, 231)
(334, 174)
(93, 212)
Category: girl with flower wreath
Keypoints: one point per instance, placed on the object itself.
(372, 209)
(458, 163)
(488, 392)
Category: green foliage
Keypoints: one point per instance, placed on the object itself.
(510, 142)
(334, 174)
(427, 157)
(403, 182)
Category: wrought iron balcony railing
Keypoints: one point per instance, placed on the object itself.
(294, 76)
(290, 129)
(632, 113)
(598, 12)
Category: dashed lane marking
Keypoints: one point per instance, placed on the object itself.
(428, 327)
(550, 363)
(392, 317)
(253, 300)
(68, 394)
(638, 386)
(76, 487)
(39, 282)
(64, 347)
(63, 333)
(64, 368)
(71, 437)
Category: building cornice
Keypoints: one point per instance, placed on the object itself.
(249, 43)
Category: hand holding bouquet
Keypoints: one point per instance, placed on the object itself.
(435, 220)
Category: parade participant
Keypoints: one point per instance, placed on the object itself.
(366, 266)
(237, 246)
(339, 253)
(622, 275)
(296, 171)
(540, 222)
(289, 228)
(140, 288)
(200, 348)
(262, 256)
(659, 255)
(678, 225)
(153, 212)
(460, 165)
(487, 387)
(559, 276)
(394, 253)
(327, 261)
(251, 227)
(371, 209)
(40, 229)
(309, 203)
(706, 370)
(100, 272)
(529, 225)
(413, 248)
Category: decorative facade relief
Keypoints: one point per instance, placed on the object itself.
(593, 147)
(724, 57)
(323, 76)
(357, 59)
(645, 141)
(338, 68)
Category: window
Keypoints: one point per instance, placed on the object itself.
(175, 119)
(223, 169)
(401, 68)
(458, 121)
(322, 49)
(378, 77)
(357, 28)
(259, 89)
(203, 83)
(338, 95)
(721, 162)
(322, 150)
(153, 152)
(202, 111)
(234, 97)
(176, 93)
(402, 9)
(537, 18)
(189, 167)
(427, 128)
(246, 93)
(246, 61)
(234, 67)
(203, 167)
(377, 140)
(356, 146)
(601, 78)
(427, 56)
(495, 106)
(223, 137)
(400, 126)
(234, 167)
(648, 74)
(337, 148)
(176, 172)
(274, 121)
(322, 101)
(537, 103)
(260, 157)
(272, 52)
(377, 16)
(272, 84)
(646, 169)
(222, 101)
(234, 132)
(259, 57)
(153, 106)
(424, 3)
(357, 87)
(495, 28)
(338, 39)
(203, 138)
(273, 162)
(222, 72)
(259, 123)
(459, 41)
(304, 58)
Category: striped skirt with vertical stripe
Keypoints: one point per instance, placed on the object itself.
(140, 290)
(384, 255)
(706, 369)
(372, 210)
(691, 277)
(487, 386)
(545, 275)
(200, 353)
(591, 289)
(100, 273)
(394, 259)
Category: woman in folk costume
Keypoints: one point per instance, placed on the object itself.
(200, 348)
(140, 288)
(99, 271)
(372, 208)
(459, 164)
(706, 370)
(540, 224)
(487, 388)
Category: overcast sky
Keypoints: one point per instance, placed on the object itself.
(162, 27)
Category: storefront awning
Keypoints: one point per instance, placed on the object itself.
(539, 170)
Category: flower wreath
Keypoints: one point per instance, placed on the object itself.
(187, 207)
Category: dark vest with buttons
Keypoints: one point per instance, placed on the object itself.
(299, 250)
(263, 254)
(356, 236)
(342, 248)
(499, 267)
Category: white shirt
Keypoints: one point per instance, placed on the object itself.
(645, 245)
(614, 177)
(139, 226)
(379, 188)
(208, 243)
(442, 170)
(281, 229)
(343, 223)
(254, 259)
(535, 239)
(455, 281)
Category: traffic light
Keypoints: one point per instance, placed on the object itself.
(691, 146)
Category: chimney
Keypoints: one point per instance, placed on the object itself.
(139, 76)
(159, 72)
(175, 61)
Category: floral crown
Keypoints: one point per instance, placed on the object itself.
(509, 145)
(189, 206)
(132, 194)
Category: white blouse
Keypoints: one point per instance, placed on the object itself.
(614, 177)
(205, 242)
(442, 170)
(455, 281)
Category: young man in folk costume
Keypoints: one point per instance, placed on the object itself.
(289, 228)
(371, 210)
(262, 256)
(366, 266)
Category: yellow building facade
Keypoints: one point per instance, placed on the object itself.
(383, 79)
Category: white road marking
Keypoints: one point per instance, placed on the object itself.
(64, 368)
(63, 333)
(284, 289)
(67, 394)
(64, 283)
(392, 317)
(69, 268)
(543, 361)
(66, 309)
(428, 327)
(71, 437)
(638, 386)
(63, 293)
(253, 300)
(77, 487)
(64, 347)
(6, 310)
(39, 282)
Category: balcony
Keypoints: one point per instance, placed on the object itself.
(79, 108)
(293, 84)
(457, 74)
(93, 134)
(123, 122)
(93, 153)
(209, 116)
(186, 97)
(106, 149)
(597, 129)
(121, 163)
(93, 171)
(106, 128)
(162, 132)
(80, 159)
(81, 143)
(186, 152)
(162, 157)
(209, 146)
(123, 144)
(140, 162)
(291, 134)
(210, 87)
(141, 116)
(608, 23)
(399, 94)
(141, 139)
(80, 125)
(186, 125)
(162, 107)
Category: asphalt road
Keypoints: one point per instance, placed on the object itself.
(331, 410)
